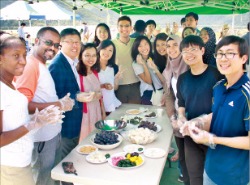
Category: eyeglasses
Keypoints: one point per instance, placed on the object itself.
(192, 50)
(51, 43)
(71, 42)
(227, 55)
(90, 56)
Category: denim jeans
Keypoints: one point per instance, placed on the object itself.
(146, 97)
(207, 180)
(44, 157)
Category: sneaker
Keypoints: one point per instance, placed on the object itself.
(171, 150)
(180, 178)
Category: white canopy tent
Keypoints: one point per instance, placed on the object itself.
(19, 10)
(52, 11)
(48, 10)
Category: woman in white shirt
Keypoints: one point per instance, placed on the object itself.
(16, 144)
(150, 77)
(108, 75)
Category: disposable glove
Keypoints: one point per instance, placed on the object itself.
(50, 115)
(201, 136)
(85, 96)
(67, 103)
(198, 122)
(176, 124)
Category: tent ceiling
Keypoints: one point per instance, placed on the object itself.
(173, 7)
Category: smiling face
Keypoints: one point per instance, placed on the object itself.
(71, 46)
(144, 48)
(192, 55)
(13, 59)
(204, 36)
(173, 49)
(231, 66)
(45, 45)
(106, 53)
(89, 57)
(161, 47)
(101, 33)
(188, 32)
(124, 28)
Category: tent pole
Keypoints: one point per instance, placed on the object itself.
(74, 18)
(74, 14)
(233, 17)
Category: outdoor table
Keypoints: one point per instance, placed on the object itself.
(104, 174)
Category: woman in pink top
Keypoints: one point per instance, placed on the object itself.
(93, 109)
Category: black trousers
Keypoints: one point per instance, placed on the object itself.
(195, 155)
(181, 148)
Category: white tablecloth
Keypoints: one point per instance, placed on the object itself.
(104, 174)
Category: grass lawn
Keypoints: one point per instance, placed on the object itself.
(170, 175)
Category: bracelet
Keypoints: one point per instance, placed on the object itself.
(211, 141)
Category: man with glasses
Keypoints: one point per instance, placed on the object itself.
(194, 94)
(38, 86)
(63, 71)
(226, 130)
(129, 86)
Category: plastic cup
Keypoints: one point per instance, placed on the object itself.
(160, 112)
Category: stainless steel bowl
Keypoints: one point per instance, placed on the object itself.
(110, 125)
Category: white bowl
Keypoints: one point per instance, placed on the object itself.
(141, 136)
(107, 147)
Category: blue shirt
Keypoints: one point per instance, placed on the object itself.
(225, 165)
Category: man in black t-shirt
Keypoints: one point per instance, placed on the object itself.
(194, 93)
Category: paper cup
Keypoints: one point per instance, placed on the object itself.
(160, 112)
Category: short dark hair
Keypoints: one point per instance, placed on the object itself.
(70, 31)
(96, 40)
(192, 14)
(248, 26)
(136, 44)
(140, 26)
(81, 68)
(190, 41)
(232, 39)
(103, 45)
(124, 18)
(5, 44)
(151, 22)
(23, 24)
(41, 32)
(183, 19)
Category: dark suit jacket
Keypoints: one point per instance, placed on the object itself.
(65, 82)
